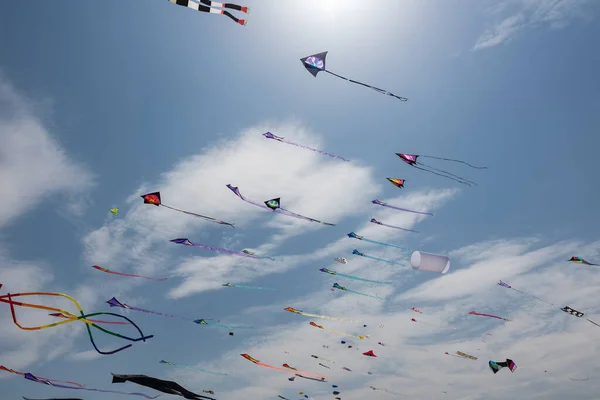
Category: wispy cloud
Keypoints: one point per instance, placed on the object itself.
(514, 17)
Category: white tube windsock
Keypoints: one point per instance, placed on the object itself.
(429, 262)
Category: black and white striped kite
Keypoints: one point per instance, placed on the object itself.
(213, 8)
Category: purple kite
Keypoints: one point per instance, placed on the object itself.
(316, 63)
(275, 206)
(381, 203)
(488, 315)
(373, 220)
(187, 242)
(269, 135)
(116, 303)
(411, 159)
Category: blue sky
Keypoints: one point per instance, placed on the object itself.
(102, 102)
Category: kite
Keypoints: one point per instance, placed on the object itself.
(465, 355)
(580, 260)
(358, 253)
(49, 382)
(397, 182)
(114, 211)
(12, 371)
(269, 135)
(576, 313)
(275, 206)
(293, 310)
(71, 318)
(254, 253)
(411, 159)
(116, 303)
(324, 359)
(339, 333)
(347, 369)
(381, 203)
(337, 286)
(355, 236)
(356, 278)
(323, 365)
(281, 397)
(203, 322)
(187, 242)
(123, 274)
(340, 260)
(191, 368)
(373, 220)
(289, 367)
(415, 310)
(506, 285)
(318, 376)
(96, 321)
(316, 63)
(195, 6)
(495, 366)
(247, 287)
(488, 315)
(385, 390)
(369, 353)
(154, 198)
(168, 387)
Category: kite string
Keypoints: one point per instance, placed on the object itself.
(382, 91)
(445, 174)
(451, 159)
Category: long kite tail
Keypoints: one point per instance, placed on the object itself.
(210, 9)
(250, 287)
(211, 219)
(356, 278)
(380, 203)
(124, 274)
(444, 174)
(385, 244)
(364, 294)
(373, 220)
(315, 150)
(382, 91)
(453, 160)
(293, 214)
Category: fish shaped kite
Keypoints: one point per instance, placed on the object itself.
(495, 366)
(411, 159)
(358, 253)
(123, 274)
(210, 9)
(316, 63)
(356, 278)
(337, 332)
(275, 206)
(293, 310)
(355, 236)
(337, 286)
(247, 287)
(50, 382)
(341, 260)
(114, 211)
(168, 387)
(8, 298)
(154, 198)
(203, 322)
(191, 368)
(301, 374)
(187, 242)
(269, 135)
(488, 315)
(374, 221)
(381, 203)
(580, 260)
(397, 182)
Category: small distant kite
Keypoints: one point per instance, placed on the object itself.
(123, 274)
(397, 182)
(247, 287)
(250, 252)
(203, 322)
(416, 310)
(168, 387)
(358, 253)
(355, 236)
(316, 63)
(195, 6)
(385, 390)
(369, 353)
(187, 242)
(381, 203)
(154, 198)
(488, 315)
(293, 310)
(411, 159)
(580, 260)
(114, 211)
(374, 221)
(275, 206)
(495, 366)
(337, 286)
(269, 135)
(356, 278)
(340, 260)
(337, 332)
(301, 374)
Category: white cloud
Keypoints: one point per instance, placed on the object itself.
(517, 16)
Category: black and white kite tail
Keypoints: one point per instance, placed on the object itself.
(212, 7)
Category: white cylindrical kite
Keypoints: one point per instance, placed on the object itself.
(429, 262)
